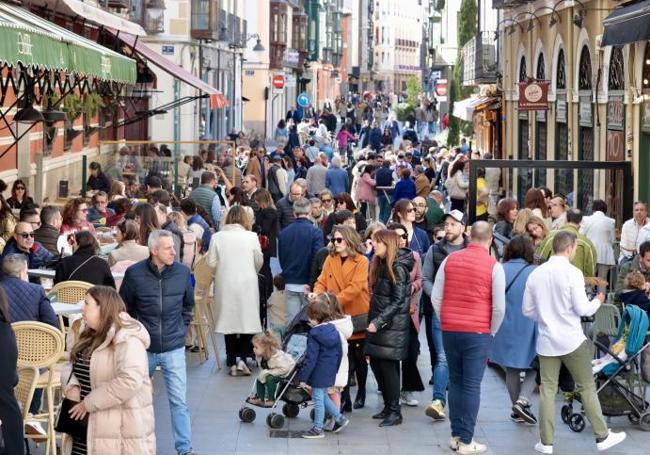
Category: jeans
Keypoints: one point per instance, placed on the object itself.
(384, 206)
(578, 363)
(172, 365)
(294, 303)
(467, 355)
(322, 403)
(440, 369)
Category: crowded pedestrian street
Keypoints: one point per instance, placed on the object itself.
(324, 226)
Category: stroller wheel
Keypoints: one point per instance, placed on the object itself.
(577, 423)
(566, 412)
(644, 421)
(275, 421)
(632, 417)
(290, 410)
(247, 415)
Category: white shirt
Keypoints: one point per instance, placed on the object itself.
(639, 233)
(600, 229)
(555, 297)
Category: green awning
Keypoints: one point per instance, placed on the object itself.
(29, 39)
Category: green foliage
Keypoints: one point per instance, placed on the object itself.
(403, 111)
(413, 90)
(72, 105)
(92, 103)
(467, 19)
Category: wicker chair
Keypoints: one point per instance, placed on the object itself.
(69, 292)
(203, 315)
(41, 346)
(28, 378)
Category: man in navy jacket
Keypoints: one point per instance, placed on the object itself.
(299, 242)
(158, 292)
(27, 301)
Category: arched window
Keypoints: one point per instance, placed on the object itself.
(616, 70)
(584, 74)
(561, 71)
(541, 70)
(522, 70)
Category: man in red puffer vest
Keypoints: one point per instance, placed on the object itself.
(469, 296)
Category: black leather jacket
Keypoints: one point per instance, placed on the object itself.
(389, 309)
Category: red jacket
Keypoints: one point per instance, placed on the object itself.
(467, 301)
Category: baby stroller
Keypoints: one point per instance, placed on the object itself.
(288, 391)
(618, 375)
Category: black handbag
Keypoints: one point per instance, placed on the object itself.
(66, 424)
(360, 323)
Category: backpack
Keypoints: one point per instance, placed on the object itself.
(188, 256)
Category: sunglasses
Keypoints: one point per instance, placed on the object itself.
(26, 235)
(20, 188)
(326, 200)
(337, 239)
(83, 210)
(410, 210)
(440, 237)
(405, 236)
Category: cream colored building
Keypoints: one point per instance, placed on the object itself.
(398, 38)
(597, 98)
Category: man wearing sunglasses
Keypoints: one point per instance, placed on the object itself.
(23, 243)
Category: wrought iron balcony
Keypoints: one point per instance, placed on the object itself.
(479, 60)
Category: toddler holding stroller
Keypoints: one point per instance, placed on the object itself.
(320, 365)
(275, 364)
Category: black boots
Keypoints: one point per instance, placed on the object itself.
(394, 415)
(383, 414)
(360, 400)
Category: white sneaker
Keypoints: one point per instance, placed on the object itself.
(407, 399)
(611, 440)
(471, 448)
(453, 442)
(543, 448)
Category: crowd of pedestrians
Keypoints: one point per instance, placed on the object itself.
(352, 221)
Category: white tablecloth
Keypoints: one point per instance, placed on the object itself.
(66, 308)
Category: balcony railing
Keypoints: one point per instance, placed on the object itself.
(479, 60)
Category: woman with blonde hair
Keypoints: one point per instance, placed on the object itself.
(236, 256)
(536, 229)
(118, 191)
(557, 209)
(519, 225)
(108, 377)
(345, 273)
(389, 319)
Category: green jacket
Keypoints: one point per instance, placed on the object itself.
(585, 258)
(434, 213)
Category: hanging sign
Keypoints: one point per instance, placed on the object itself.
(533, 95)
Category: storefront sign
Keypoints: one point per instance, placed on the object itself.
(615, 112)
(645, 117)
(560, 108)
(523, 115)
(533, 95)
(168, 50)
(585, 111)
(615, 145)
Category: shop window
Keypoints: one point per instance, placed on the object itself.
(616, 80)
(561, 71)
(585, 72)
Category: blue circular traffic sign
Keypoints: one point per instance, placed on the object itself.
(303, 100)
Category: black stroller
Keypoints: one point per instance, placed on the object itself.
(288, 391)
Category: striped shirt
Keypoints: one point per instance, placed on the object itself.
(81, 370)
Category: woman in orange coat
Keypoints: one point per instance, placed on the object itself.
(345, 273)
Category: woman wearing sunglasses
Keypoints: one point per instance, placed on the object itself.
(19, 196)
(345, 273)
(404, 214)
(74, 217)
(389, 319)
(411, 380)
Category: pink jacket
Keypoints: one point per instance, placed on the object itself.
(366, 189)
(416, 287)
(343, 138)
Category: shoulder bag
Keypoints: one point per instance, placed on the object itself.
(516, 276)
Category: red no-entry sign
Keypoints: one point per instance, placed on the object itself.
(441, 87)
(278, 81)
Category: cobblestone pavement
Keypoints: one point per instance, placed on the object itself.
(215, 399)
